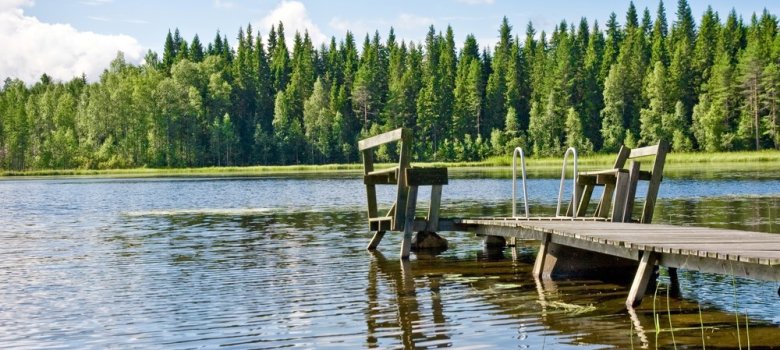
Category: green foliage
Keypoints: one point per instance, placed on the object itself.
(652, 128)
(613, 130)
(713, 86)
(574, 134)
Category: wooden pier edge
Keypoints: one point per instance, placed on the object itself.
(634, 242)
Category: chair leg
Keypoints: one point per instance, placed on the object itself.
(433, 211)
(411, 206)
(602, 209)
(378, 235)
(621, 192)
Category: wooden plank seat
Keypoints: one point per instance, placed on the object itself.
(407, 179)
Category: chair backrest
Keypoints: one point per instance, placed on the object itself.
(654, 176)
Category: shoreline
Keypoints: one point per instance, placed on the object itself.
(676, 163)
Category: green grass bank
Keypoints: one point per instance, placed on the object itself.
(676, 164)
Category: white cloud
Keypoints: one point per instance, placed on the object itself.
(295, 18)
(224, 4)
(477, 2)
(405, 23)
(135, 21)
(408, 21)
(95, 2)
(11, 5)
(31, 47)
(99, 19)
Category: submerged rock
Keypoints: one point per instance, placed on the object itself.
(425, 240)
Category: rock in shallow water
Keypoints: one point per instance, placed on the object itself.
(425, 240)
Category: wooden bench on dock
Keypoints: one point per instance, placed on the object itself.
(621, 182)
(407, 179)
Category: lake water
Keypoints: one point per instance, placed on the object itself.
(277, 262)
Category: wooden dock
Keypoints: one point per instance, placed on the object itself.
(610, 242)
(728, 252)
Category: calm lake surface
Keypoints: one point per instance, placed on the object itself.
(278, 262)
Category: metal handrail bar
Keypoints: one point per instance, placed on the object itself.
(518, 150)
(574, 183)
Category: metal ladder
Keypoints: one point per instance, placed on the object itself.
(575, 199)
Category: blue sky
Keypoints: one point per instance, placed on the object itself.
(62, 37)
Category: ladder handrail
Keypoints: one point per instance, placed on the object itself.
(518, 150)
(573, 151)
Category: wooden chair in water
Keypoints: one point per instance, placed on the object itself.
(407, 179)
(622, 182)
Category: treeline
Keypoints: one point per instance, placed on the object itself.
(713, 86)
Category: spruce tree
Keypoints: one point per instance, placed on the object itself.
(659, 50)
(593, 100)
(495, 91)
(652, 129)
(750, 71)
(169, 52)
(468, 91)
(611, 46)
(196, 50)
(280, 60)
(575, 136)
(705, 47)
(613, 131)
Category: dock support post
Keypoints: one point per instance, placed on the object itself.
(642, 278)
(674, 281)
(411, 206)
(541, 255)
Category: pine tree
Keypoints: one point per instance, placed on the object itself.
(288, 132)
(245, 100)
(196, 50)
(302, 78)
(681, 140)
(715, 116)
(318, 120)
(593, 100)
(652, 129)
(265, 97)
(169, 52)
(632, 64)
(546, 131)
(280, 60)
(495, 91)
(429, 102)
(611, 46)
(658, 40)
(447, 71)
(750, 70)
(732, 37)
(681, 68)
(215, 49)
(365, 94)
(466, 115)
(705, 47)
(770, 99)
(575, 136)
(613, 130)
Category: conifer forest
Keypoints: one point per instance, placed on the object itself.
(707, 85)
